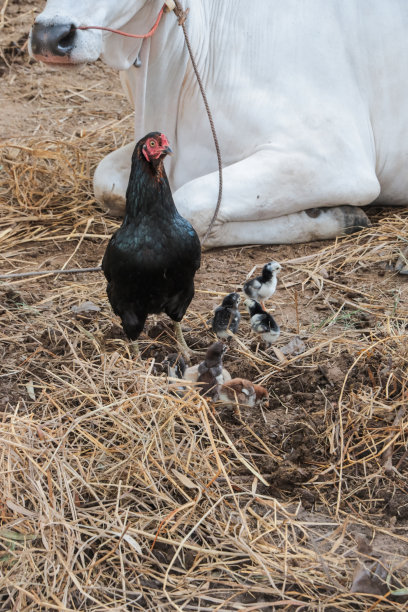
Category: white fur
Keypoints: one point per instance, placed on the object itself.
(308, 98)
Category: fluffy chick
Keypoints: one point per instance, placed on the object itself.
(210, 370)
(242, 392)
(263, 287)
(262, 322)
(191, 374)
(227, 316)
(175, 365)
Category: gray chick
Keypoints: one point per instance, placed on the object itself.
(227, 316)
(175, 365)
(210, 372)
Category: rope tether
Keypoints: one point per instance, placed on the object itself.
(150, 32)
(181, 17)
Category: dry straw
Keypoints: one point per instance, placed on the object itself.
(117, 494)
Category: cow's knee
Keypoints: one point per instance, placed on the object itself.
(111, 179)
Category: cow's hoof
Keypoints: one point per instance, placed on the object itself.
(354, 219)
(350, 219)
(402, 262)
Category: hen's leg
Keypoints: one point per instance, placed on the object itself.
(134, 349)
(133, 326)
(187, 352)
(176, 309)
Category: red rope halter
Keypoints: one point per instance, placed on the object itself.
(150, 32)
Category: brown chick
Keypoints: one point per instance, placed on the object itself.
(243, 392)
(262, 395)
(210, 370)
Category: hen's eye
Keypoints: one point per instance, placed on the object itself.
(152, 143)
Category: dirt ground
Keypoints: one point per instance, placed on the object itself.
(118, 495)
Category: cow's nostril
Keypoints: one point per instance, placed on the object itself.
(66, 43)
(52, 40)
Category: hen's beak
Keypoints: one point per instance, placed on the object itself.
(167, 150)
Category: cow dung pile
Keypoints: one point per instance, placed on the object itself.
(117, 494)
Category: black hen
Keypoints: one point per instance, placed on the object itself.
(150, 262)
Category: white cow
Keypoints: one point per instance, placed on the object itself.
(310, 102)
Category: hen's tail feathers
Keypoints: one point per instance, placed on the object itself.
(133, 324)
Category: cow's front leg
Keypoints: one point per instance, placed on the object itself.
(305, 226)
(266, 194)
(111, 180)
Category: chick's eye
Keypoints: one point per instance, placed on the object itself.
(152, 143)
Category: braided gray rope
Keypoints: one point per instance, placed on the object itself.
(182, 15)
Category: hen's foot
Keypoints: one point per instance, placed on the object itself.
(185, 350)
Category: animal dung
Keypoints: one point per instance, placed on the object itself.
(85, 308)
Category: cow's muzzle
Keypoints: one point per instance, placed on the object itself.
(52, 42)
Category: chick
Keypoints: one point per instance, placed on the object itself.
(191, 374)
(175, 365)
(227, 316)
(242, 392)
(262, 322)
(262, 395)
(210, 371)
(263, 287)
